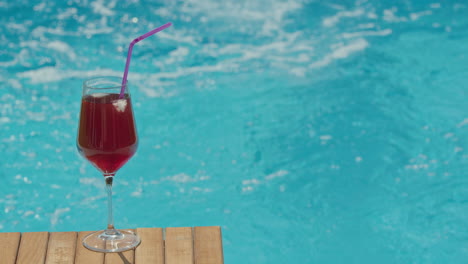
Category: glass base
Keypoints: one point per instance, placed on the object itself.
(111, 240)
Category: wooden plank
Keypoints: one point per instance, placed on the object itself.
(9, 243)
(33, 247)
(61, 248)
(179, 245)
(126, 257)
(151, 249)
(208, 247)
(84, 255)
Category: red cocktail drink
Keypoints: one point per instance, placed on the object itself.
(107, 138)
(106, 135)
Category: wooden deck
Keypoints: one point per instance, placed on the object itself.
(175, 245)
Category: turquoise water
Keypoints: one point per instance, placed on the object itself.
(311, 131)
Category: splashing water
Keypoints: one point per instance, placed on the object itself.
(311, 131)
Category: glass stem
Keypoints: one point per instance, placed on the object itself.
(110, 216)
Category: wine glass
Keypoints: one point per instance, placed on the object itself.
(107, 138)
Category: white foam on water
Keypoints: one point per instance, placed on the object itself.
(120, 105)
(90, 31)
(53, 74)
(64, 116)
(56, 215)
(163, 11)
(96, 182)
(13, 62)
(277, 174)
(99, 8)
(39, 7)
(336, 6)
(204, 190)
(463, 123)
(246, 11)
(158, 92)
(333, 20)
(417, 15)
(177, 55)
(39, 32)
(4, 120)
(67, 13)
(298, 71)
(179, 36)
(28, 213)
(180, 51)
(247, 189)
(62, 47)
(36, 116)
(15, 84)
(139, 190)
(17, 27)
(251, 181)
(390, 16)
(180, 178)
(384, 32)
(341, 52)
(30, 44)
(42, 75)
(366, 25)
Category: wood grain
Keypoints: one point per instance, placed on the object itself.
(61, 248)
(151, 249)
(179, 245)
(126, 257)
(9, 243)
(33, 248)
(84, 255)
(208, 248)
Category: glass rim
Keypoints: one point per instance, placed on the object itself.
(87, 83)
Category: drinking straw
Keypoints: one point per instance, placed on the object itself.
(129, 54)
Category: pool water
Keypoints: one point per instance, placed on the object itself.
(311, 131)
